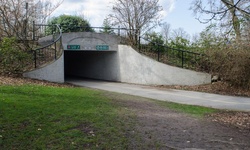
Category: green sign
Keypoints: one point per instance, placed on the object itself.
(73, 47)
(102, 47)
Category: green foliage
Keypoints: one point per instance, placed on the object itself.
(177, 52)
(107, 27)
(13, 60)
(209, 38)
(156, 41)
(69, 24)
(180, 43)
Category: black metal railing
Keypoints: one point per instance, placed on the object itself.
(162, 53)
(113, 31)
(121, 32)
(173, 56)
(51, 45)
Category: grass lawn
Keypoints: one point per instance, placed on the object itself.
(38, 117)
(196, 111)
(43, 117)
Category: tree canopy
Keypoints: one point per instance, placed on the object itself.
(70, 24)
(107, 27)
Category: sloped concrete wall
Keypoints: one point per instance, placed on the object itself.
(53, 72)
(139, 69)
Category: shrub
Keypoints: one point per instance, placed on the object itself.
(231, 63)
(13, 58)
(69, 23)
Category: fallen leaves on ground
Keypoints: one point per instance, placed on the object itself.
(240, 120)
(220, 87)
(4, 80)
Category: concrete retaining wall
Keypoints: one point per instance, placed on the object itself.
(53, 72)
(137, 68)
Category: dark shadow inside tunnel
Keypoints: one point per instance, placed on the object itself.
(100, 65)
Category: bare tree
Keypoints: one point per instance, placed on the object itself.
(246, 32)
(17, 15)
(139, 16)
(166, 29)
(180, 33)
(229, 13)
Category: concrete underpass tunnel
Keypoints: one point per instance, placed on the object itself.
(98, 56)
(91, 55)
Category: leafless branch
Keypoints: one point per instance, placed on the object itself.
(138, 16)
(223, 11)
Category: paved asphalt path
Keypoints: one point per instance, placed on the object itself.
(178, 96)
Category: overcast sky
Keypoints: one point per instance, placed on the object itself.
(176, 12)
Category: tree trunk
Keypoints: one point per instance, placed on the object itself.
(235, 20)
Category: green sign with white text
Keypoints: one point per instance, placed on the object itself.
(73, 47)
(102, 47)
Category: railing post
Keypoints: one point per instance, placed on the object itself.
(138, 34)
(182, 59)
(44, 30)
(158, 47)
(139, 42)
(119, 30)
(55, 50)
(52, 32)
(35, 58)
(34, 31)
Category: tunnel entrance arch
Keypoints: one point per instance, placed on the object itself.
(91, 55)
